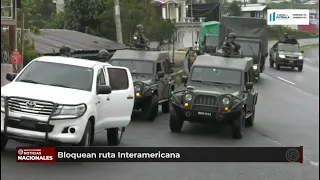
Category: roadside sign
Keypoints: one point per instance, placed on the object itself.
(16, 57)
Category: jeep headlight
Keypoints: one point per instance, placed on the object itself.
(255, 66)
(282, 56)
(137, 88)
(226, 101)
(300, 57)
(69, 111)
(188, 97)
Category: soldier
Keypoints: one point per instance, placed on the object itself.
(139, 39)
(192, 56)
(231, 47)
(65, 51)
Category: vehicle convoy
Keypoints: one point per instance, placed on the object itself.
(287, 54)
(153, 83)
(208, 36)
(252, 35)
(218, 89)
(63, 100)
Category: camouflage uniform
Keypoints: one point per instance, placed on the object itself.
(139, 39)
(231, 47)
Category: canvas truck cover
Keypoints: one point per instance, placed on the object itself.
(211, 27)
(245, 27)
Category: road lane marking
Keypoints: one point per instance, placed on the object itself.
(308, 60)
(312, 68)
(286, 80)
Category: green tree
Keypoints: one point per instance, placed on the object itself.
(234, 9)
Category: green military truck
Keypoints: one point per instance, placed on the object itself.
(252, 35)
(208, 36)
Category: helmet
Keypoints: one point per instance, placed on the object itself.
(232, 35)
(139, 26)
(103, 53)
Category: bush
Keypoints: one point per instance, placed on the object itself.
(276, 32)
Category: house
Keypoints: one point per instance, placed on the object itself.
(171, 9)
(254, 10)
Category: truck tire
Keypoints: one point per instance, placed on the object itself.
(300, 68)
(86, 137)
(278, 66)
(175, 123)
(250, 120)
(238, 126)
(150, 112)
(4, 142)
(114, 136)
(165, 107)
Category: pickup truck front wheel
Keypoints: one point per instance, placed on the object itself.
(150, 112)
(86, 140)
(4, 142)
(114, 136)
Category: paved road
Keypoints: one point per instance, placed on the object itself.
(287, 115)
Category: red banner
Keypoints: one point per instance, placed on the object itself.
(36, 154)
(16, 57)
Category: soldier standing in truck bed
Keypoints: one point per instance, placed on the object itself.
(230, 47)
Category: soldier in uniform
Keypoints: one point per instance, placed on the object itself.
(230, 47)
(65, 51)
(139, 39)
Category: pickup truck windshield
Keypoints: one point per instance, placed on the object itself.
(288, 48)
(135, 66)
(56, 74)
(216, 75)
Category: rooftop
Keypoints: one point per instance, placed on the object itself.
(52, 39)
(223, 62)
(69, 61)
(253, 7)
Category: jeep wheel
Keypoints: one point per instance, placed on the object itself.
(238, 126)
(150, 112)
(114, 136)
(175, 123)
(250, 120)
(4, 142)
(165, 107)
(278, 66)
(86, 140)
(300, 68)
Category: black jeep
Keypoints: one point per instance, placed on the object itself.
(217, 89)
(151, 74)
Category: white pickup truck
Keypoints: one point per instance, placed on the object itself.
(66, 101)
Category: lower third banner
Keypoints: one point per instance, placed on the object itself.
(160, 154)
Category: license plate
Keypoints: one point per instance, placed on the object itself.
(291, 61)
(26, 123)
(204, 113)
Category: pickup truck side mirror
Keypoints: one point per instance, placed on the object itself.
(103, 89)
(249, 85)
(184, 79)
(11, 76)
(302, 51)
(160, 74)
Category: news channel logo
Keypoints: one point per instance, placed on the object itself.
(288, 17)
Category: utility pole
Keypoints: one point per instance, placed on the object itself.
(191, 10)
(118, 20)
(16, 18)
(22, 41)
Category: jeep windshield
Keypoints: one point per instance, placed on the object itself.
(135, 66)
(215, 76)
(249, 48)
(56, 74)
(288, 48)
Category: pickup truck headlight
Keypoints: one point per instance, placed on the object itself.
(188, 97)
(282, 56)
(226, 101)
(255, 66)
(300, 57)
(69, 111)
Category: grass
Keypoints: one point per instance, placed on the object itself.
(310, 46)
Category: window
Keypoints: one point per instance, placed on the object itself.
(246, 77)
(101, 80)
(216, 75)
(56, 74)
(159, 68)
(118, 79)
